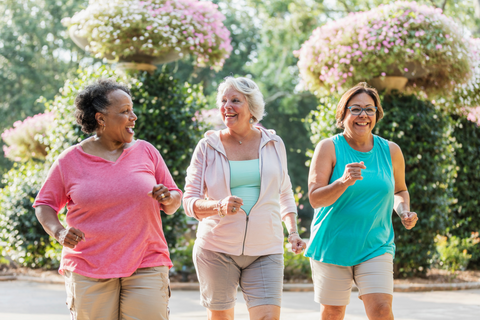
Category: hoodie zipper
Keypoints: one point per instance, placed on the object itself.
(260, 168)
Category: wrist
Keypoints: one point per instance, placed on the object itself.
(291, 233)
(218, 208)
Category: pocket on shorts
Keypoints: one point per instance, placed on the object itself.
(277, 258)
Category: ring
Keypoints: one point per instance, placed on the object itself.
(76, 239)
(162, 196)
(234, 209)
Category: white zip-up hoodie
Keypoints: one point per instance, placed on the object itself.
(208, 177)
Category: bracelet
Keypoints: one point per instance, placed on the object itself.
(293, 232)
(218, 207)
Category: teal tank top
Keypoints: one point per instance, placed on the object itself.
(358, 226)
(245, 182)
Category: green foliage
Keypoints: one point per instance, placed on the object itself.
(297, 266)
(182, 257)
(423, 133)
(36, 56)
(465, 218)
(26, 242)
(454, 253)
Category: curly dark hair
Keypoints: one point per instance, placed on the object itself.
(93, 99)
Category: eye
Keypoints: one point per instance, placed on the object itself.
(371, 111)
(355, 110)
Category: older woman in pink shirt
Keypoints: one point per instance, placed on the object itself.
(238, 186)
(115, 257)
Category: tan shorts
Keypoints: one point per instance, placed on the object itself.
(333, 283)
(144, 295)
(219, 274)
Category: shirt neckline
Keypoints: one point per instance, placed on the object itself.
(100, 159)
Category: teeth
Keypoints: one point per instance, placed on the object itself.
(130, 127)
(362, 123)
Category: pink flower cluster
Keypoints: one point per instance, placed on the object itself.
(402, 39)
(474, 115)
(468, 94)
(209, 32)
(21, 138)
(117, 29)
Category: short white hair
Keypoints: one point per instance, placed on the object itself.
(250, 90)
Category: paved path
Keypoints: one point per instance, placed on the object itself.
(21, 300)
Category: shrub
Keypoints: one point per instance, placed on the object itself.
(454, 253)
(297, 266)
(25, 241)
(21, 139)
(465, 218)
(399, 39)
(165, 110)
(119, 29)
(423, 132)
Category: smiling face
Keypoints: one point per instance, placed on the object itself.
(119, 118)
(361, 124)
(234, 109)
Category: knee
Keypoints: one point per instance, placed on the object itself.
(332, 312)
(381, 311)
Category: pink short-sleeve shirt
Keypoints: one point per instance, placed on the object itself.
(109, 202)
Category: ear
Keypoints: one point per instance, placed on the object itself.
(100, 117)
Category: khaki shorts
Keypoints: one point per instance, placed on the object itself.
(333, 283)
(144, 295)
(219, 274)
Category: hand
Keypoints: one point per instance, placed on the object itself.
(409, 219)
(352, 173)
(69, 237)
(161, 194)
(298, 245)
(231, 205)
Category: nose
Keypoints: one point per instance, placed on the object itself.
(364, 111)
(133, 116)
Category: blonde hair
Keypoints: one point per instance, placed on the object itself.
(250, 90)
(362, 87)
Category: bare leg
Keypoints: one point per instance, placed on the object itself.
(220, 314)
(332, 312)
(378, 306)
(265, 312)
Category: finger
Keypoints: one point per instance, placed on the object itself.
(77, 233)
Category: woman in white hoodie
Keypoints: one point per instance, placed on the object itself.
(238, 187)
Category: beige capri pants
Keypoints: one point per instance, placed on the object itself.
(144, 295)
(333, 283)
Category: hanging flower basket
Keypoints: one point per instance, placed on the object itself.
(403, 39)
(468, 94)
(153, 32)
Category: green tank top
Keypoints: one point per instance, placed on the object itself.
(245, 182)
(358, 226)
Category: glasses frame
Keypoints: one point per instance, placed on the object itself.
(363, 109)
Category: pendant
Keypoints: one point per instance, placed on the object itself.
(240, 142)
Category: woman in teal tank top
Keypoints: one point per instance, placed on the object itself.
(356, 179)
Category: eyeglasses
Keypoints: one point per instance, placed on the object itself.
(356, 110)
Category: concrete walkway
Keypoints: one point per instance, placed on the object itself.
(23, 300)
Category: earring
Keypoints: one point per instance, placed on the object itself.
(251, 121)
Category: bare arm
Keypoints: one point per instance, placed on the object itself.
(320, 193)
(67, 237)
(401, 197)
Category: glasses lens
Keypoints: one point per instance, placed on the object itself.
(370, 111)
(355, 110)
